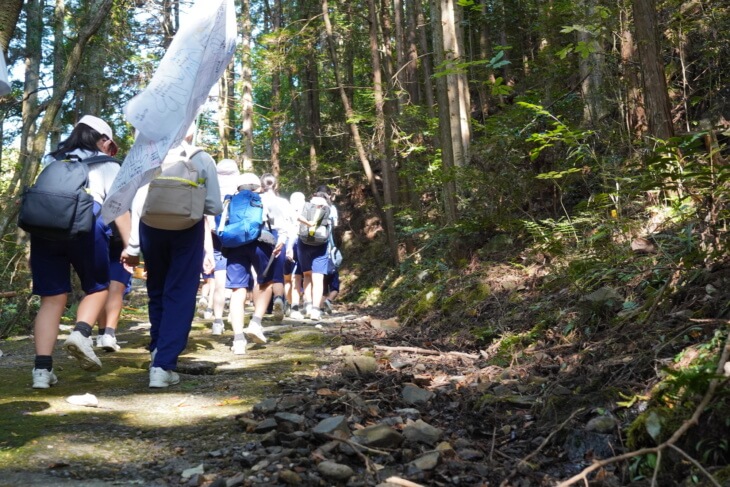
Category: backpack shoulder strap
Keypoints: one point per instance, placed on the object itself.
(98, 159)
(194, 152)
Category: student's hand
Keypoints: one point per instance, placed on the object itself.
(277, 249)
(208, 263)
(290, 254)
(129, 260)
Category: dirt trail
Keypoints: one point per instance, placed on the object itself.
(137, 435)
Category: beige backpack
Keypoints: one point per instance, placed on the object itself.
(176, 197)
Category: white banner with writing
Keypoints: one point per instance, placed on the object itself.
(162, 113)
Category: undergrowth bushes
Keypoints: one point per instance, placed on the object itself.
(16, 302)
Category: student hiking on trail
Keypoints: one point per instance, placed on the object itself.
(281, 221)
(175, 250)
(120, 283)
(313, 237)
(248, 244)
(332, 278)
(228, 174)
(293, 271)
(52, 255)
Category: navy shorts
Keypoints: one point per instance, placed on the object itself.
(51, 261)
(292, 268)
(220, 261)
(117, 272)
(242, 259)
(332, 282)
(276, 271)
(313, 258)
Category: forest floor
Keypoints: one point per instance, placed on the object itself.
(354, 399)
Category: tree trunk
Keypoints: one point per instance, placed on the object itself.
(9, 15)
(277, 114)
(388, 89)
(59, 15)
(170, 20)
(427, 66)
(591, 72)
(314, 124)
(400, 54)
(446, 137)
(463, 82)
(449, 52)
(634, 114)
(32, 140)
(348, 109)
(380, 133)
(658, 111)
(410, 71)
(225, 103)
(247, 84)
(484, 74)
(92, 85)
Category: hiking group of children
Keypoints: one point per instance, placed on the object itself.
(194, 214)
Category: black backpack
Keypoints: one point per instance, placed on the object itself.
(58, 206)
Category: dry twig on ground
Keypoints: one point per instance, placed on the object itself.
(671, 442)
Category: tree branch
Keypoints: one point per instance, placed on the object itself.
(670, 443)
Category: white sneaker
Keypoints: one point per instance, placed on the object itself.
(278, 309)
(217, 329)
(315, 314)
(239, 347)
(160, 377)
(108, 343)
(328, 306)
(255, 333)
(296, 315)
(82, 349)
(43, 378)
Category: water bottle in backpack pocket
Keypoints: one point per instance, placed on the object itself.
(58, 206)
(242, 220)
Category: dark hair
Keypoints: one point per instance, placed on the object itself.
(82, 137)
(323, 188)
(268, 181)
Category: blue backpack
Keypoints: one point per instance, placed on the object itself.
(242, 219)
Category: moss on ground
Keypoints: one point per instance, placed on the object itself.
(39, 428)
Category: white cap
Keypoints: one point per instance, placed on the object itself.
(297, 200)
(318, 201)
(250, 180)
(227, 167)
(228, 175)
(99, 125)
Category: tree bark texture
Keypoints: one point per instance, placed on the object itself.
(34, 141)
(9, 15)
(656, 97)
(446, 137)
(247, 84)
(380, 133)
(276, 111)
